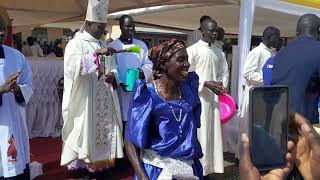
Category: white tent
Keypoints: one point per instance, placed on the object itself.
(227, 16)
(35, 12)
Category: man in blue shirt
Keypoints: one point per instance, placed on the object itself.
(298, 67)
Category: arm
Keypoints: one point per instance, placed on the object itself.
(251, 72)
(112, 76)
(8, 86)
(90, 63)
(23, 88)
(134, 158)
(137, 133)
(216, 87)
(223, 71)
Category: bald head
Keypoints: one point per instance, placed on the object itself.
(308, 24)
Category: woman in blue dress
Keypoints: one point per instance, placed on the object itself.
(161, 134)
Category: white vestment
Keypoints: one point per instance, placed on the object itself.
(193, 37)
(92, 129)
(12, 115)
(204, 61)
(252, 72)
(127, 61)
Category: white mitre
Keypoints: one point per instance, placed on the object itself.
(97, 11)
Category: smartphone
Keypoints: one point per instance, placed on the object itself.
(268, 126)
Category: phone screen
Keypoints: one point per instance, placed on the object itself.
(269, 126)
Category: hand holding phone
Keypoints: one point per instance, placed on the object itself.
(268, 126)
(249, 172)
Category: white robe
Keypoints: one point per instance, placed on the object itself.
(223, 69)
(92, 129)
(12, 114)
(204, 61)
(252, 72)
(127, 61)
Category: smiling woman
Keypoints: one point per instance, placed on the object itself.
(163, 118)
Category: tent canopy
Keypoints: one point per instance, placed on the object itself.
(227, 17)
(33, 12)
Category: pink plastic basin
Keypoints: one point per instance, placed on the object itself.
(227, 108)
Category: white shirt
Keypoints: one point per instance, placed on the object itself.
(252, 68)
(36, 50)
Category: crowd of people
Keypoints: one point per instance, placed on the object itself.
(34, 48)
(169, 125)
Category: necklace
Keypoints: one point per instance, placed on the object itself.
(171, 107)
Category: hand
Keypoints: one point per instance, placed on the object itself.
(216, 87)
(249, 172)
(105, 51)
(9, 84)
(110, 78)
(123, 87)
(15, 87)
(308, 147)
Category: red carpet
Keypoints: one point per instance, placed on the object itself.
(47, 151)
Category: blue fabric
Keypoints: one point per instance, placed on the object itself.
(152, 125)
(267, 71)
(154, 172)
(298, 67)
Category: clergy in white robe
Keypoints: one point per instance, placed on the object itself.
(92, 130)
(204, 61)
(15, 93)
(127, 61)
(252, 71)
(14, 140)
